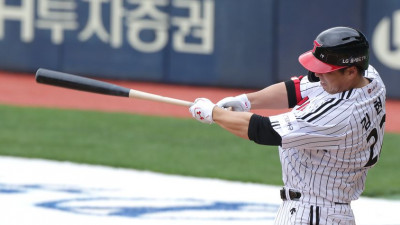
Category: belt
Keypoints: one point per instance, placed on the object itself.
(295, 196)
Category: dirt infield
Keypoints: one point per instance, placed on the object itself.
(22, 90)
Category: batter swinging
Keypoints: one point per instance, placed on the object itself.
(329, 140)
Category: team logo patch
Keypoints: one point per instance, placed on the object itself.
(288, 123)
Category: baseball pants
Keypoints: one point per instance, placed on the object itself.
(297, 213)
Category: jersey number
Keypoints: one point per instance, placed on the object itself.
(374, 134)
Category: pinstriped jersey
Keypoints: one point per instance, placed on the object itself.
(329, 141)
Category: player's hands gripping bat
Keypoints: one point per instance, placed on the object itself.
(202, 110)
(238, 103)
(70, 81)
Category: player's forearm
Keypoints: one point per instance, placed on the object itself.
(235, 122)
(271, 97)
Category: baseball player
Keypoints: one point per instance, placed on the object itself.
(329, 140)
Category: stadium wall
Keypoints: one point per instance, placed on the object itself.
(230, 43)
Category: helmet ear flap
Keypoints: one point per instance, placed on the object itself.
(312, 77)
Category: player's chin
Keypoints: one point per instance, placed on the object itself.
(331, 91)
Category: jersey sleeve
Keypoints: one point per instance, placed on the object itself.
(298, 88)
(326, 132)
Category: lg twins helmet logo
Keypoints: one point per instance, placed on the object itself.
(383, 42)
(316, 45)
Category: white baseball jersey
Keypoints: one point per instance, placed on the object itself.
(329, 141)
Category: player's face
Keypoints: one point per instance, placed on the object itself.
(333, 82)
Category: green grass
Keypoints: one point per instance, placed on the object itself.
(167, 145)
(384, 179)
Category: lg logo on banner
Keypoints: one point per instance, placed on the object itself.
(386, 43)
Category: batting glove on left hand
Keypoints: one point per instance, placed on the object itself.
(238, 103)
(202, 110)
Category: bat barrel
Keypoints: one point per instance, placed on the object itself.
(66, 80)
(71, 81)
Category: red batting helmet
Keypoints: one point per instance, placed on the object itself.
(337, 48)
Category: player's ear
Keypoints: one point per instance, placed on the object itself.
(351, 71)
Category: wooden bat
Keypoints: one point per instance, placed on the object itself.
(75, 82)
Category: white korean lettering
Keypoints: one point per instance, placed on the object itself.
(147, 16)
(144, 22)
(57, 16)
(117, 14)
(94, 25)
(23, 13)
(197, 26)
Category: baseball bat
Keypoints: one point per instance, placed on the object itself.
(75, 82)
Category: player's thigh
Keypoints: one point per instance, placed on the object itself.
(295, 213)
(291, 213)
(341, 214)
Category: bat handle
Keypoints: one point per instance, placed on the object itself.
(147, 96)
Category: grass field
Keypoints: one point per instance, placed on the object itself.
(167, 145)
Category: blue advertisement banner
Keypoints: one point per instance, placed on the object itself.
(202, 42)
(230, 43)
(384, 32)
